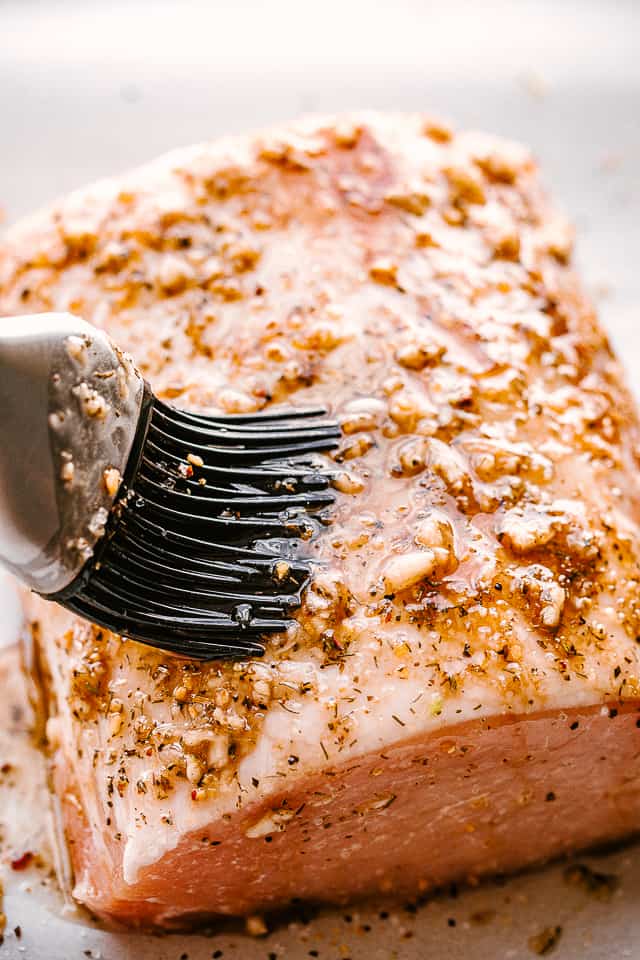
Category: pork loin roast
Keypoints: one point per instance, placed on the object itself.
(459, 694)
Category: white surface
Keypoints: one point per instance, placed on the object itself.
(88, 89)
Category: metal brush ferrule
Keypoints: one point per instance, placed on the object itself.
(69, 405)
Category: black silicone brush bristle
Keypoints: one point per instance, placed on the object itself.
(204, 550)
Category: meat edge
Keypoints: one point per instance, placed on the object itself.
(486, 797)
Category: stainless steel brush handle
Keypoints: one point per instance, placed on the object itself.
(69, 408)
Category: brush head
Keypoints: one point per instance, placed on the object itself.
(204, 550)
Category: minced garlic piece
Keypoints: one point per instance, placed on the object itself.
(92, 403)
(409, 568)
(348, 482)
(112, 479)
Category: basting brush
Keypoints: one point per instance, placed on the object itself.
(182, 530)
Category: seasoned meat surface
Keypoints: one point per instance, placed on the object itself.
(478, 583)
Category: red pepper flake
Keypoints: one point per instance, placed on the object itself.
(194, 794)
(21, 863)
